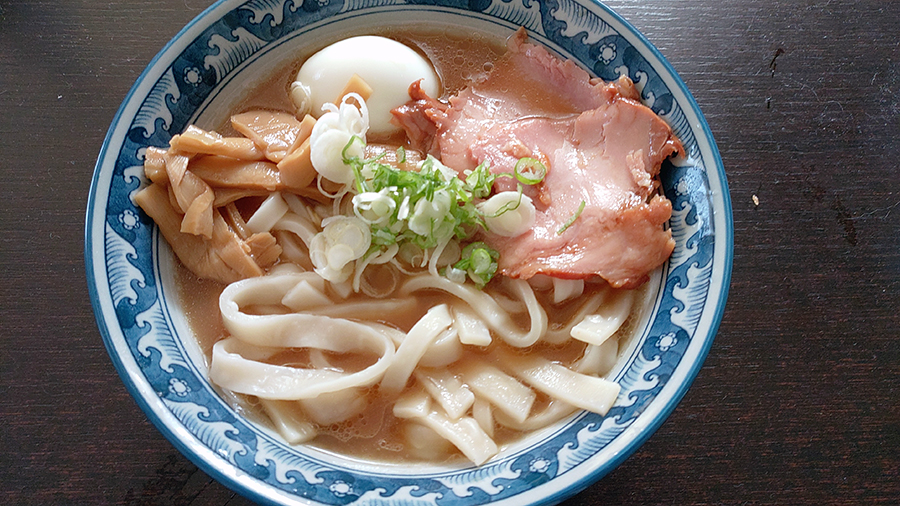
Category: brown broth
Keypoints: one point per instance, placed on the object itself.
(200, 301)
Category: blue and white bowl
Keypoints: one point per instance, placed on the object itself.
(196, 78)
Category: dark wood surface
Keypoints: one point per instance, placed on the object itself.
(799, 400)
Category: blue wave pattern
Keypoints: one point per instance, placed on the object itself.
(525, 13)
(198, 70)
(578, 23)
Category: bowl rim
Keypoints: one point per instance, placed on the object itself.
(233, 480)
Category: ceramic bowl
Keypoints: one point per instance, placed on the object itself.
(130, 270)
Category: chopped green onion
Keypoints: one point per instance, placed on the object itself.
(448, 213)
(479, 261)
(571, 220)
(390, 201)
(480, 181)
(354, 164)
(383, 236)
(509, 206)
(530, 171)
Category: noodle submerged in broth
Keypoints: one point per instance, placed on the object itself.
(395, 295)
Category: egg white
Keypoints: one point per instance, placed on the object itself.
(386, 65)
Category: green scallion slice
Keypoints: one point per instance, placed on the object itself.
(530, 171)
(571, 220)
(479, 261)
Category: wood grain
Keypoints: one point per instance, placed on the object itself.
(798, 400)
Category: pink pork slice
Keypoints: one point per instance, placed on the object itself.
(600, 144)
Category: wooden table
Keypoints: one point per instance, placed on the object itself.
(799, 400)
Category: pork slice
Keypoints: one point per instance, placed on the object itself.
(622, 247)
(607, 158)
(418, 118)
(602, 148)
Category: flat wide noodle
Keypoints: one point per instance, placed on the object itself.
(559, 382)
(289, 420)
(416, 343)
(500, 389)
(464, 433)
(495, 316)
(236, 362)
(598, 327)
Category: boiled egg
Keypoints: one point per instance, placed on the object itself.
(387, 66)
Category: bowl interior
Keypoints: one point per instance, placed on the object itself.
(205, 71)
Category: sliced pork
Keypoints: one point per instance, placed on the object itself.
(602, 148)
(419, 118)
